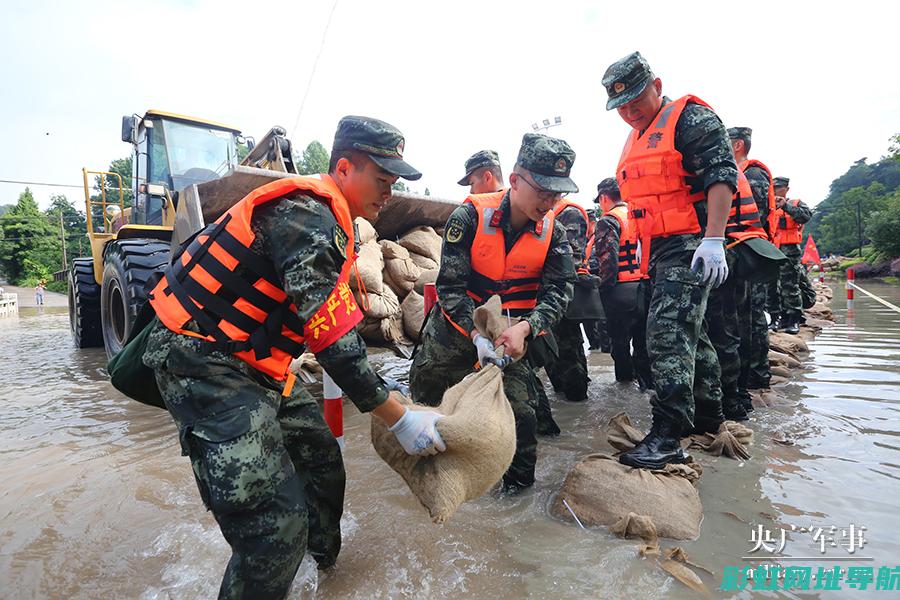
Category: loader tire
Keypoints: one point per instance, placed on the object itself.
(84, 304)
(127, 267)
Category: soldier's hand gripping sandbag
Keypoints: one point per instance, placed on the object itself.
(487, 354)
(709, 258)
(417, 434)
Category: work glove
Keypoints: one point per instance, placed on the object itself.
(487, 354)
(709, 260)
(417, 434)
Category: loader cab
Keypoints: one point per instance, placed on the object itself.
(173, 152)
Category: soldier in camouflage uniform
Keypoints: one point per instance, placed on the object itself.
(450, 345)
(682, 266)
(626, 328)
(568, 372)
(484, 176)
(787, 304)
(754, 347)
(596, 329)
(265, 462)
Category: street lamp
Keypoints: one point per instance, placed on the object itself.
(546, 124)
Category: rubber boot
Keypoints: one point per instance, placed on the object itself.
(734, 410)
(661, 447)
(793, 328)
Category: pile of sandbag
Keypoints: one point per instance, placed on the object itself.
(393, 276)
(478, 429)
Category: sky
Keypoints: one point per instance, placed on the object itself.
(817, 81)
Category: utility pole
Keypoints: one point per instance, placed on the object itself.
(62, 237)
(859, 226)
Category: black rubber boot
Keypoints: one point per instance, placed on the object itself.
(792, 327)
(704, 425)
(734, 410)
(773, 324)
(661, 447)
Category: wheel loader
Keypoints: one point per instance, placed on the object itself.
(185, 174)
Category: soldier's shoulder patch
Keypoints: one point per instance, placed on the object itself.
(455, 230)
(341, 240)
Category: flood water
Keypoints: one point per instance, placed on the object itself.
(97, 502)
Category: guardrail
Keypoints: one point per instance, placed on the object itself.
(9, 305)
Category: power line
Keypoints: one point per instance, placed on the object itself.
(314, 67)
(80, 186)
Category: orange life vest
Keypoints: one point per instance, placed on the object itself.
(771, 224)
(235, 296)
(588, 249)
(629, 269)
(653, 179)
(743, 219)
(562, 204)
(789, 230)
(514, 276)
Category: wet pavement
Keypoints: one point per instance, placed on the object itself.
(97, 502)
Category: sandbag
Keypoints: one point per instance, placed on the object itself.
(402, 273)
(383, 305)
(383, 331)
(820, 311)
(365, 231)
(391, 249)
(782, 359)
(413, 309)
(424, 278)
(787, 343)
(424, 241)
(423, 262)
(602, 491)
(479, 430)
(370, 264)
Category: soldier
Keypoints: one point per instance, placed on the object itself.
(594, 329)
(483, 176)
(792, 214)
(614, 259)
(568, 372)
(254, 288)
(678, 174)
(507, 243)
(483, 173)
(754, 348)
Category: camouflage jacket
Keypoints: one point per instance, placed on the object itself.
(576, 231)
(801, 213)
(557, 281)
(604, 259)
(759, 183)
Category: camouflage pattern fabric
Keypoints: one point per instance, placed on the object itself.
(545, 423)
(790, 301)
(756, 347)
(576, 231)
(549, 160)
(267, 466)
(627, 329)
(683, 361)
(568, 373)
(723, 328)
(759, 184)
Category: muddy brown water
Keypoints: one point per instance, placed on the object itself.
(96, 501)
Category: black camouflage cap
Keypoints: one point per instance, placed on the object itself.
(482, 158)
(549, 160)
(740, 133)
(625, 79)
(781, 182)
(608, 186)
(381, 141)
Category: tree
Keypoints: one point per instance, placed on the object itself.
(399, 186)
(28, 247)
(884, 226)
(74, 224)
(839, 232)
(121, 166)
(314, 159)
(894, 148)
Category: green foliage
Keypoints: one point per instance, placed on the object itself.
(834, 220)
(399, 186)
(314, 159)
(74, 224)
(121, 166)
(884, 226)
(27, 243)
(850, 262)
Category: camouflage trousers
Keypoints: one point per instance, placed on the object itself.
(597, 334)
(683, 361)
(724, 328)
(444, 357)
(267, 466)
(628, 328)
(786, 300)
(568, 373)
(755, 349)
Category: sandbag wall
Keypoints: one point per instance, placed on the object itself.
(392, 277)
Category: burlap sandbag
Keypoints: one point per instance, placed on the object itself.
(383, 331)
(383, 305)
(602, 491)
(366, 231)
(402, 273)
(425, 277)
(370, 264)
(424, 241)
(479, 430)
(423, 262)
(787, 343)
(413, 309)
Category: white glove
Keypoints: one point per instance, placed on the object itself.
(710, 259)
(487, 354)
(417, 434)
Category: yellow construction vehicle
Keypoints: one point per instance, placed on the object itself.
(185, 174)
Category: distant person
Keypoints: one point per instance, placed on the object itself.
(787, 303)
(39, 294)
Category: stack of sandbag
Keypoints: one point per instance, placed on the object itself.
(478, 429)
(400, 272)
(424, 245)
